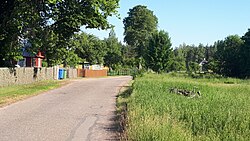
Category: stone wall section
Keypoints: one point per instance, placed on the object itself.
(71, 73)
(25, 75)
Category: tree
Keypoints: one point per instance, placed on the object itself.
(35, 20)
(245, 56)
(209, 55)
(69, 16)
(159, 52)
(10, 27)
(188, 57)
(128, 56)
(90, 48)
(138, 26)
(227, 56)
(113, 56)
(178, 63)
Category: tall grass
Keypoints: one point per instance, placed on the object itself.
(222, 113)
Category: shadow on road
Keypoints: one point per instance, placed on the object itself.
(119, 121)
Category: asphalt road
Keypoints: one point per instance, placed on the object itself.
(80, 111)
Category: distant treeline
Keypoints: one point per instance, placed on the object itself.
(53, 27)
(228, 57)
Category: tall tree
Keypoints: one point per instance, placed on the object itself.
(159, 52)
(245, 56)
(69, 16)
(228, 57)
(21, 20)
(35, 20)
(113, 56)
(138, 26)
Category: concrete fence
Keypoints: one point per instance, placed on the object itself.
(25, 75)
(72, 73)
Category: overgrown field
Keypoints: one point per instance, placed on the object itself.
(221, 113)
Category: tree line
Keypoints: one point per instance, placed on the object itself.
(153, 49)
(228, 57)
(52, 26)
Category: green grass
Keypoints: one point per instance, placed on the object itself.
(222, 113)
(14, 93)
(121, 110)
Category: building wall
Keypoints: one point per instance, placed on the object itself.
(27, 75)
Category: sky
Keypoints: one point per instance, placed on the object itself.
(189, 21)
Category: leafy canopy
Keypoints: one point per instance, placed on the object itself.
(138, 26)
(159, 52)
(89, 48)
(113, 56)
(35, 20)
(228, 57)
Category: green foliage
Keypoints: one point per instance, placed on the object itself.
(245, 56)
(178, 62)
(138, 73)
(138, 26)
(113, 57)
(228, 56)
(194, 67)
(221, 113)
(188, 58)
(70, 15)
(35, 20)
(10, 27)
(159, 51)
(90, 48)
(205, 75)
(53, 52)
(128, 56)
(71, 59)
(122, 71)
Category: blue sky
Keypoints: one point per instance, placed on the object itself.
(189, 21)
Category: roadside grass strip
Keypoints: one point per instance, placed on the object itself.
(11, 94)
(221, 113)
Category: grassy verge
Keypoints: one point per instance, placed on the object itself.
(222, 113)
(121, 110)
(12, 94)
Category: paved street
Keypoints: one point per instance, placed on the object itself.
(82, 110)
